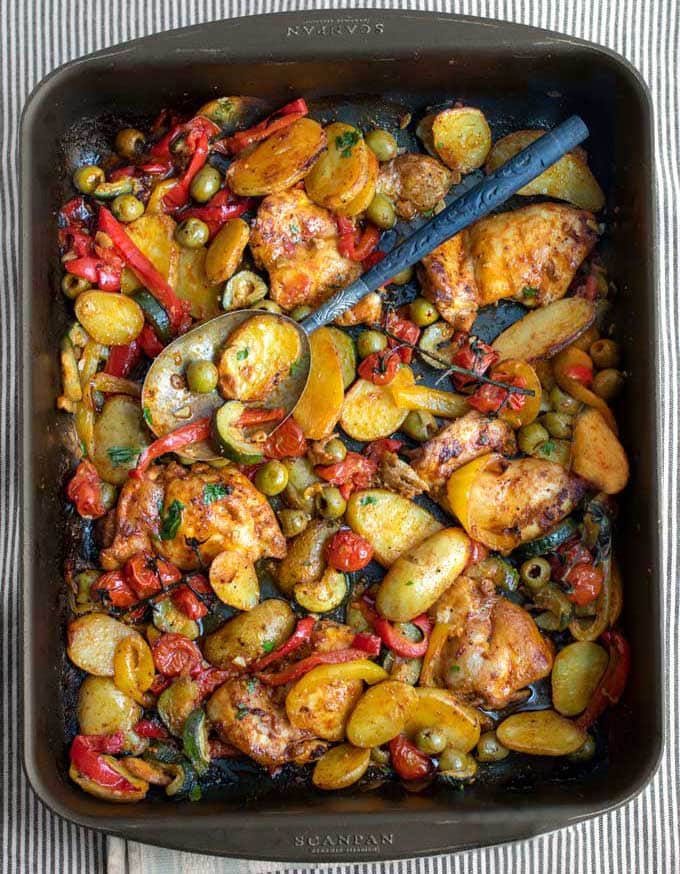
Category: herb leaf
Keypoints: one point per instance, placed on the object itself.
(529, 291)
(548, 447)
(367, 499)
(146, 412)
(346, 141)
(269, 646)
(242, 354)
(120, 455)
(215, 492)
(171, 521)
(241, 711)
(296, 367)
(252, 684)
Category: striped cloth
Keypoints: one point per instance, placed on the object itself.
(38, 35)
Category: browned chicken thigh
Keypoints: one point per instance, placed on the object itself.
(415, 183)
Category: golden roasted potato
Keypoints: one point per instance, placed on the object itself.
(226, 250)
(119, 436)
(544, 332)
(154, 235)
(440, 709)
(193, 285)
(390, 523)
(304, 562)
(342, 170)
(110, 319)
(258, 355)
(324, 594)
(540, 733)
(577, 670)
(461, 137)
(381, 713)
(318, 410)
(569, 179)
(597, 454)
(321, 703)
(248, 636)
(279, 162)
(369, 411)
(92, 640)
(360, 203)
(420, 575)
(234, 580)
(340, 767)
(104, 709)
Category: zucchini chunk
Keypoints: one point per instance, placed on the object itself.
(229, 436)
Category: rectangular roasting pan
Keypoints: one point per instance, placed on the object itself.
(526, 78)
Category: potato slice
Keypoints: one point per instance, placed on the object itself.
(193, 285)
(367, 193)
(104, 709)
(249, 636)
(391, 524)
(319, 408)
(92, 640)
(540, 733)
(321, 703)
(279, 162)
(234, 580)
(381, 713)
(226, 250)
(304, 562)
(419, 576)
(324, 594)
(544, 332)
(119, 436)
(569, 179)
(154, 235)
(461, 137)
(342, 171)
(577, 670)
(110, 319)
(340, 767)
(257, 356)
(597, 455)
(439, 708)
(369, 411)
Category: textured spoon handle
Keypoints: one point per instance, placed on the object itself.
(473, 205)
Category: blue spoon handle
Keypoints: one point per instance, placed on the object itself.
(490, 193)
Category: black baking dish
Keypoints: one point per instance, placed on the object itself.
(524, 77)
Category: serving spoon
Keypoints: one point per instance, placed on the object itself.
(166, 399)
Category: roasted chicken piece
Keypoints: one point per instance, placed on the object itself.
(494, 649)
(212, 510)
(367, 312)
(296, 241)
(398, 476)
(537, 248)
(415, 183)
(463, 440)
(248, 715)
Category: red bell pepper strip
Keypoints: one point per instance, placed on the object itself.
(278, 120)
(179, 193)
(408, 761)
(176, 308)
(299, 669)
(347, 551)
(580, 373)
(122, 360)
(156, 168)
(208, 678)
(368, 643)
(302, 633)
(374, 258)
(610, 688)
(259, 416)
(86, 755)
(149, 728)
(149, 343)
(194, 432)
(121, 173)
(85, 491)
(393, 639)
(355, 244)
(74, 239)
(96, 271)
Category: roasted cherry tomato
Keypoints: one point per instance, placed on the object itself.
(287, 441)
(355, 472)
(85, 491)
(112, 589)
(174, 654)
(404, 330)
(377, 448)
(347, 551)
(142, 576)
(380, 367)
(188, 600)
(408, 761)
(474, 355)
(586, 582)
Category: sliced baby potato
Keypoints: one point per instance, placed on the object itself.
(540, 733)
(577, 670)
(544, 332)
(249, 636)
(279, 162)
(318, 410)
(324, 594)
(439, 708)
(347, 353)
(226, 250)
(119, 436)
(340, 767)
(110, 319)
(341, 171)
(381, 713)
(461, 137)
(154, 235)
(367, 193)
(597, 454)
(369, 411)
(104, 709)
(421, 574)
(257, 356)
(321, 703)
(193, 284)
(92, 640)
(234, 580)
(391, 523)
(569, 179)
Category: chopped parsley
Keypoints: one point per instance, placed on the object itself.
(120, 455)
(146, 412)
(440, 146)
(345, 142)
(297, 367)
(241, 711)
(410, 583)
(367, 499)
(171, 521)
(215, 492)
(294, 228)
(242, 354)
(195, 793)
(252, 684)
(83, 449)
(454, 669)
(529, 291)
(269, 646)
(548, 447)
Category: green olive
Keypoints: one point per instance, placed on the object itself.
(192, 233)
(563, 403)
(535, 573)
(336, 449)
(584, 753)
(127, 208)
(531, 436)
(457, 764)
(404, 276)
(205, 183)
(490, 749)
(431, 741)
(419, 425)
(559, 424)
(272, 478)
(87, 178)
(382, 144)
(270, 306)
(369, 342)
(301, 473)
(605, 354)
(379, 756)
(300, 312)
(330, 503)
(109, 495)
(72, 285)
(558, 451)
(293, 521)
(202, 377)
(381, 212)
(422, 312)
(130, 142)
(608, 383)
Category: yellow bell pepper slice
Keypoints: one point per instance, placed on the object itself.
(571, 357)
(460, 483)
(133, 669)
(446, 404)
(505, 371)
(438, 637)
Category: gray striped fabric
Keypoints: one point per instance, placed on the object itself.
(38, 35)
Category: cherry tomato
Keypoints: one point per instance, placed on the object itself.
(142, 576)
(174, 654)
(189, 603)
(492, 398)
(355, 472)
(149, 728)
(380, 367)
(408, 761)
(167, 573)
(405, 330)
(287, 441)
(112, 588)
(377, 448)
(580, 373)
(85, 491)
(473, 355)
(347, 551)
(586, 581)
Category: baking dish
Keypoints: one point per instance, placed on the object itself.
(522, 77)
